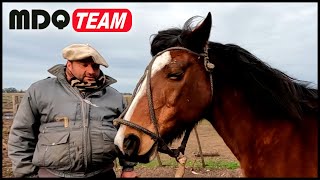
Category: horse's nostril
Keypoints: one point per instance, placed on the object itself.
(131, 145)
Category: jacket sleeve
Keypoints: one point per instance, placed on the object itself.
(23, 137)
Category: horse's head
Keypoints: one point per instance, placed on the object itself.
(171, 97)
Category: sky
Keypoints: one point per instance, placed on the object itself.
(284, 35)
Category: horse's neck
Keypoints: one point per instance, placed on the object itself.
(233, 120)
(253, 141)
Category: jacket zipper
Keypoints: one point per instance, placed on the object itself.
(84, 119)
(85, 132)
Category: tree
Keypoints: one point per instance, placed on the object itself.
(9, 90)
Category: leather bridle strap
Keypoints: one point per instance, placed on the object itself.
(137, 127)
(162, 146)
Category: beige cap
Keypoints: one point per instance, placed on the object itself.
(77, 52)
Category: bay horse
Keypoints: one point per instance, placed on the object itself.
(266, 118)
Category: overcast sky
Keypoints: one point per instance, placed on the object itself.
(282, 34)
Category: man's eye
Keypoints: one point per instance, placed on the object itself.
(95, 66)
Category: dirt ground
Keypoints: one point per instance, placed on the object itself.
(211, 143)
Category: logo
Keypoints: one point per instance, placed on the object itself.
(83, 20)
(101, 20)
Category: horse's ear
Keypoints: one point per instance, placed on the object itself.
(201, 33)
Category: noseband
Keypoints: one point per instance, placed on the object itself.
(162, 146)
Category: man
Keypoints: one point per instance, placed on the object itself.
(63, 127)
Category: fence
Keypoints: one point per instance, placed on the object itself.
(10, 103)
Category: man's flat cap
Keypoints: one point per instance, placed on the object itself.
(76, 52)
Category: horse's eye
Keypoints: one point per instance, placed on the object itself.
(176, 75)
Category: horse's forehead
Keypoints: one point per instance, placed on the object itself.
(166, 58)
(160, 61)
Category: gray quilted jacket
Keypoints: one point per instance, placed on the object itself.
(58, 129)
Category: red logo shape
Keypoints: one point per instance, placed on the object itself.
(101, 20)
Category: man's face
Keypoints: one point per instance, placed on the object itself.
(85, 70)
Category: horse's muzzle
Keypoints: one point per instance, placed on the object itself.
(131, 147)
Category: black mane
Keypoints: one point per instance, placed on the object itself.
(269, 91)
(174, 37)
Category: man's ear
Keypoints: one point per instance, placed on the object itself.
(69, 64)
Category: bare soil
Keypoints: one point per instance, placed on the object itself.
(211, 144)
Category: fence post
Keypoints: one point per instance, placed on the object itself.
(200, 149)
(15, 104)
(158, 158)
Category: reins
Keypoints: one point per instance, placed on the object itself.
(178, 153)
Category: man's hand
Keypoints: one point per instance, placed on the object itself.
(128, 174)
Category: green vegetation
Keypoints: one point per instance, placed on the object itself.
(220, 164)
(11, 90)
(210, 164)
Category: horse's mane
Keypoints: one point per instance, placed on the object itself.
(174, 37)
(269, 91)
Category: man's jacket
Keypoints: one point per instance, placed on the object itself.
(56, 128)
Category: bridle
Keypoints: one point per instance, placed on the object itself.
(162, 146)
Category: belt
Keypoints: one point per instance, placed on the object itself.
(45, 172)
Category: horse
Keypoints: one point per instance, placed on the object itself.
(266, 118)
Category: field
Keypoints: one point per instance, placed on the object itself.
(219, 161)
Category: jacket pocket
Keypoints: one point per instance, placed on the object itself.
(102, 144)
(53, 151)
(109, 148)
(109, 135)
